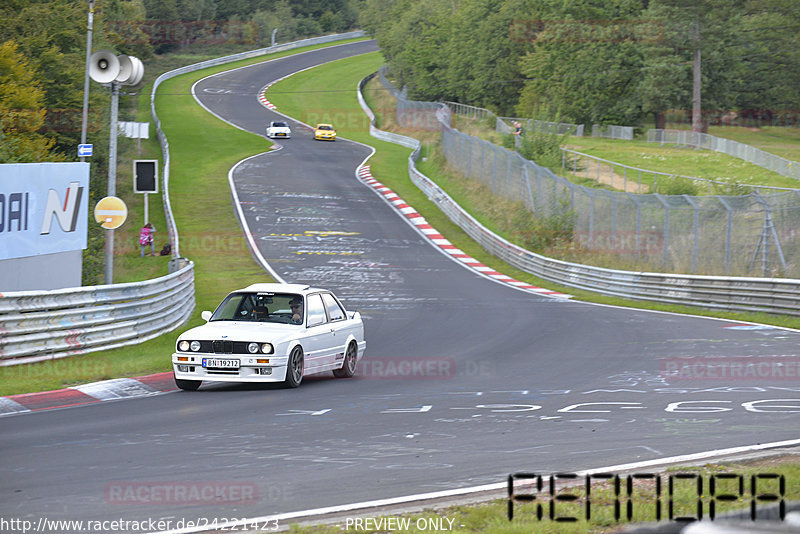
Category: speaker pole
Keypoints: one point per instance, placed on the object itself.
(112, 178)
(85, 115)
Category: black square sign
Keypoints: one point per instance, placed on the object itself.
(145, 176)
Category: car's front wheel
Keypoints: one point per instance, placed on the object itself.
(188, 385)
(294, 368)
(349, 364)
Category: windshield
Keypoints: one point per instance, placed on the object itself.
(279, 125)
(286, 308)
(325, 127)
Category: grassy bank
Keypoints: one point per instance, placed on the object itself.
(493, 516)
(683, 161)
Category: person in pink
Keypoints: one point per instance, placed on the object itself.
(146, 238)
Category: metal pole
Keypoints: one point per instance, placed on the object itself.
(696, 231)
(85, 114)
(112, 179)
(727, 234)
(666, 228)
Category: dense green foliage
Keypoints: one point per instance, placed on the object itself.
(44, 45)
(594, 61)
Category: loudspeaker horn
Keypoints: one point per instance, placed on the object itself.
(103, 66)
(131, 70)
(138, 72)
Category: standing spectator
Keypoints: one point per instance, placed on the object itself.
(146, 238)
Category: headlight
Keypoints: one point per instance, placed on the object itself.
(195, 346)
(252, 348)
(183, 346)
(266, 348)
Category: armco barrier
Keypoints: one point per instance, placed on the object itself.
(756, 156)
(771, 295)
(46, 325)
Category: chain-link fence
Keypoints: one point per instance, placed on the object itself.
(611, 131)
(636, 180)
(539, 126)
(733, 148)
(755, 234)
(411, 113)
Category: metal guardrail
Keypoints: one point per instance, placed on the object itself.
(756, 156)
(771, 295)
(47, 325)
(608, 172)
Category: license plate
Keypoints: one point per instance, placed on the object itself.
(220, 363)
(281, 135)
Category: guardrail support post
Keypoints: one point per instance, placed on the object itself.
(696, 231)
(727, 234)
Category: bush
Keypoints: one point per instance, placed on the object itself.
(677, 185)
(543, 148)
(545, 233)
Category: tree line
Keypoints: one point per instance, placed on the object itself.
(596, 61)
(43, 47)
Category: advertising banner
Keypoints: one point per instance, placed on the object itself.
(43, 208)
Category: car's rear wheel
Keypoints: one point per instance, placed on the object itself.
(188, 385)
(294, 368)
(349, 364)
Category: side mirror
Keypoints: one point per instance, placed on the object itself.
(206, 315)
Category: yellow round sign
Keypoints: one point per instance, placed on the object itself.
(110, 212)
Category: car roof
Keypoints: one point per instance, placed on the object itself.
(324, 124)
(280, 288)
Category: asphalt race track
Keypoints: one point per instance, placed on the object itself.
(465, 380)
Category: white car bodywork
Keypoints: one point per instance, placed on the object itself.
(278, 129)
(239, 344)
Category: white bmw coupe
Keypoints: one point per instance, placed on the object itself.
(270, 333)
(278, 129)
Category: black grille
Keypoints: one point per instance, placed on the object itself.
(223, 347)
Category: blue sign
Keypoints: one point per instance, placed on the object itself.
(43, 208)
(84, 151)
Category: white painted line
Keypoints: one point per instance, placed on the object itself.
(9, 407)
(500, 486)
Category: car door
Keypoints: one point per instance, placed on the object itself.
(337, 321)
(319, 339)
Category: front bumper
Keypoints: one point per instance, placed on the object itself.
(249, 370)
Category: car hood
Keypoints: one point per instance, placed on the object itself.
(242, 331)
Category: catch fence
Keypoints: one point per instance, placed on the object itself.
(746, 235)
(749, 153)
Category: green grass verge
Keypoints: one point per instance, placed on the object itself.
(202, 150)
(493, 516)
(299, 93)
(779, 140)
(681, 161)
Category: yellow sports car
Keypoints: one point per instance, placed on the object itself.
(325, 132)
